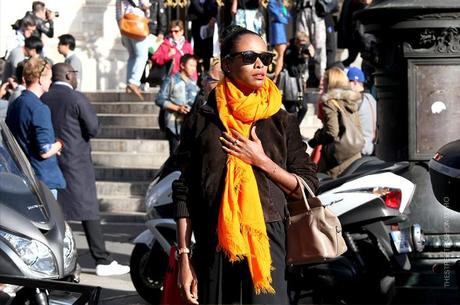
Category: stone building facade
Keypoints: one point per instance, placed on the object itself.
(93, 24)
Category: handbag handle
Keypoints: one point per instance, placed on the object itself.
(304, 186)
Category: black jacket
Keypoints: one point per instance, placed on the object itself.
(158, 21)
(197, 194)
(75, 122)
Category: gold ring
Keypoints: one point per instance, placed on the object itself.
(235, 143)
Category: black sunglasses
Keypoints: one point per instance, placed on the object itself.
(250, 57)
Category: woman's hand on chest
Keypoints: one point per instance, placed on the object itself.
(249, 150)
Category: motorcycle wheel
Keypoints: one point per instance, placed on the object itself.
(148, 283)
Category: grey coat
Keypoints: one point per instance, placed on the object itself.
(75, 62)
(75, 122)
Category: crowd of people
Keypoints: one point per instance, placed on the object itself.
(53, 123)
(221, 96)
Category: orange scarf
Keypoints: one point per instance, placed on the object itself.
(241, 224)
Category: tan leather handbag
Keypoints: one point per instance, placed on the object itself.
(134, 26)
(314, 233)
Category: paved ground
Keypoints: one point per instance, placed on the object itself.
(117, 290)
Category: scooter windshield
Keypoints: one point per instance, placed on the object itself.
(19, 189)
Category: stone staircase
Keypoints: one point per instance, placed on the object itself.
(131, 148)
(128, 151)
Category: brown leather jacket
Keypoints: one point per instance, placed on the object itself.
(197, 194)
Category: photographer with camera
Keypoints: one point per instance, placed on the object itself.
(43, 19)
(296, 59)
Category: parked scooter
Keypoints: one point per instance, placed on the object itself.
(35, 240)
(369, 198)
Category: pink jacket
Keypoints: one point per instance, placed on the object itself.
(161, 55)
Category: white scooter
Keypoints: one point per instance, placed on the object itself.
(370, 200)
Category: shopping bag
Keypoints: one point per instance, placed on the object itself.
(171, 294)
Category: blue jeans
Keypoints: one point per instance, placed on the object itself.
(138, 54)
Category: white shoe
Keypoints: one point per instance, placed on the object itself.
(113, 269)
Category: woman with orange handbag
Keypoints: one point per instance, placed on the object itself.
(137, 46)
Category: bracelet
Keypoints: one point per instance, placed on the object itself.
(185, 250)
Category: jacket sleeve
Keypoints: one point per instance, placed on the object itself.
(46, 28)
(298, 161)
(43, 128)
(161, 56)
(163, 97)
(87, 117)
(330, 130)
(180, 187)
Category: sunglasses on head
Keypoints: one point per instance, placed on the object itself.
(250, 57)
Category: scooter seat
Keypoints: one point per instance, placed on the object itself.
(364, 166)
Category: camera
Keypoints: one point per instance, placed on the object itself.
(304, 49)
(49, 12)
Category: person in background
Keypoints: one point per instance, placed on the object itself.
(202, 13)
(23, 29)
(367, 110)
(16, 56)
(137, 49)
(337, 94)
(29, 120)
(177, 95)
(348, 36)
(18, 85)
(212, 77)
(33, 48)
(279, 17)
(173, 47)
(19, 53)
(309, 22)
(3, 101)
(237, 157)
(66, 48)
(75, 122)
(44, 18)
(296, 59)
(246, 13)
(158, 25)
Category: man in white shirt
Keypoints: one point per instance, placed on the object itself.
(66, 47)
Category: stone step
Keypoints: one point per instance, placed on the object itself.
(117, 96)
(127, 108)
(129, 160)
(124, 174)
(122, 204)
(126, 189)
(129, 120)
(114, 132)
(130, 146)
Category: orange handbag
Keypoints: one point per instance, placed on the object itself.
(134, 26)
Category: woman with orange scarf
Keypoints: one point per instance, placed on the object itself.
(238, 154)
